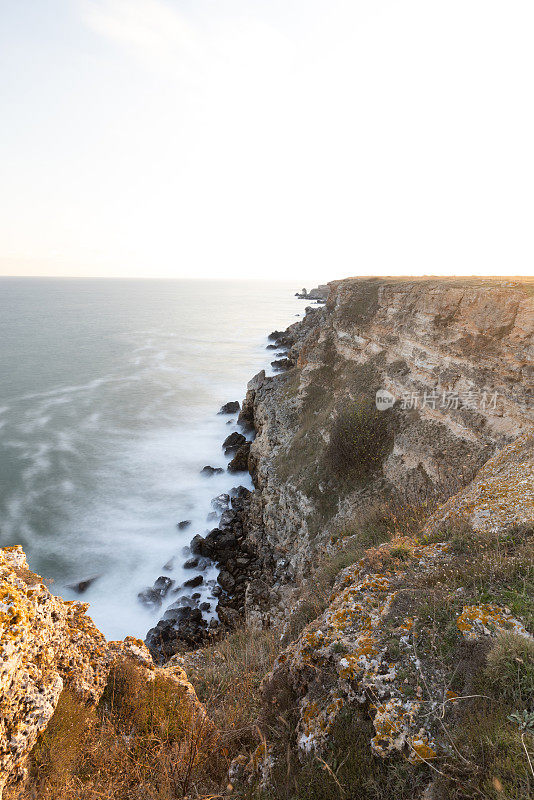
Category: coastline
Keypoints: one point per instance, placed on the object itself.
(221, 563)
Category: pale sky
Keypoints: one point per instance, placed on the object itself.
(266, 138)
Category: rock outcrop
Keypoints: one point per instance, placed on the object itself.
(49, 644)
(454, 361)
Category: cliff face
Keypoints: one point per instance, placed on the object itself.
(421, 514)
(458, 358)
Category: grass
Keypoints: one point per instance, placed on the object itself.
(347, 770)
(141, 742)
(227, 677)
(510, 670)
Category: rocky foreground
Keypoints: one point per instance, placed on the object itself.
(382, 565)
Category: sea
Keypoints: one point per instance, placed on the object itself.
(109, 399)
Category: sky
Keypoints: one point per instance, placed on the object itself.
(266, 138)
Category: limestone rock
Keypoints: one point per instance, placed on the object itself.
(47, 644)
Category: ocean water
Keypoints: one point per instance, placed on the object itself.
(109, 396)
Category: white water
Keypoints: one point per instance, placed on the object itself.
(108, 412)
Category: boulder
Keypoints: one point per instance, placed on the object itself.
(186, 628)
(230, 408)
(239, 463)
(208, 471)
(221, 502)
(226, 581)
(82, 586)
(193, 582)
(163, 584)
(185, 523)
(197, 543)
(281, 364)
(153, 595)
(218, 544)
(233, 442)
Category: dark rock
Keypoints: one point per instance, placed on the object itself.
(153, 595)
(217, 591)
(228, 519)
(205, 606)
(230, 408)
(191, 563)
(222, 501)
(196, 545)
(82, 586)
(228, 616)
(239, 463)
(209, 471)
(272, 347)
(196, 581)
(239, 498)
(218, 544)
(185, 523)
(163, 584)
(150, 598)
(282, 363)
(196, 596)
(275, 335)
(240, 492)
(233, 442)
(183, 628)
(185, 601)
(226, 581)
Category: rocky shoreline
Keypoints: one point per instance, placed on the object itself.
(187, 623)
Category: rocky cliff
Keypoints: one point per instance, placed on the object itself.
(457, 357)
(439, 479)
(378, 580)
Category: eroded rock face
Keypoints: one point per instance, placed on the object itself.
(458, 357)
(47, 644)
(501, 495)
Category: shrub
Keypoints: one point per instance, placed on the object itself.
(360, 439)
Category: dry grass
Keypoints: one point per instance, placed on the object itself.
(227, 677)
(142, 743)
